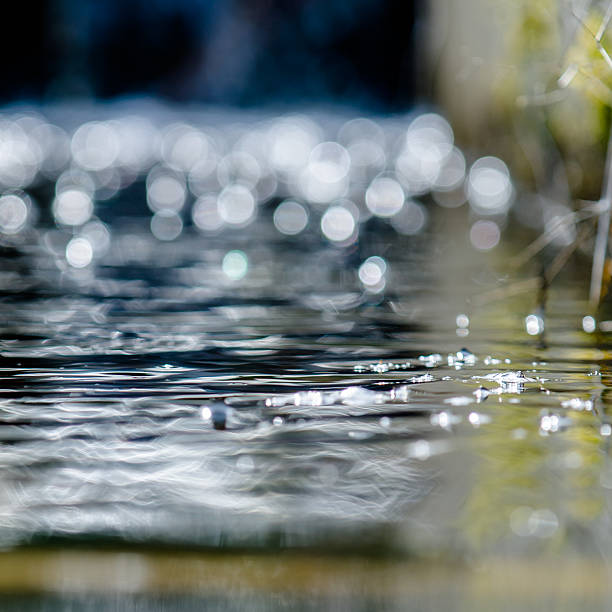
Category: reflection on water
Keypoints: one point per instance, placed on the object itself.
(321, 386)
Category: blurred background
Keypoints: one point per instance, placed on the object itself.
(493, 70)
(262, 262)
(361, 53)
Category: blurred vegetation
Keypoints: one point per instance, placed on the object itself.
(557, 94)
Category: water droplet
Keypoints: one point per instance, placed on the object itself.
(534, 324)
(589, 325)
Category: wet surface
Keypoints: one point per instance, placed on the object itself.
(246, 390)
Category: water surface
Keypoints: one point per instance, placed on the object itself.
(269, 431)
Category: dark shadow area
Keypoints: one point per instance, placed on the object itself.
(358, 53)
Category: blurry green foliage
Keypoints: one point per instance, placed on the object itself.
(559, 88)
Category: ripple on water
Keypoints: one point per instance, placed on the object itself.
(231, 385)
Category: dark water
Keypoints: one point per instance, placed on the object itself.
(179, 430)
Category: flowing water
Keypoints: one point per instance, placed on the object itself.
(245, 420)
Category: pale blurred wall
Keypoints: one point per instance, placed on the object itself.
(468, 42)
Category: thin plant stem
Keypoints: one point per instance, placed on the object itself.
(557, 264)
(604, 23)
(549, 235)
(600, 47)
(603, 230)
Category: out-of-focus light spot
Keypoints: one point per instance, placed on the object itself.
(385, 422)
(442, 419)
(206, 413)
(462, 320)
(290, 218)
(291, 141)
(366, 154)
(166, 225)
(239, 167)
(365, 142)
(138, 143)
(98, 236)
(550, 423)
(338, 224)
(20, 156)
(13, 214)
(236, 205)
(165, 192)
(361, 128)
(429, 141)
(525, 521)
(79, 252)
(72, 207)
(489, 187)
(534, 324)
(411, 219)
(420, 450)
(484, 235)
(452, 173)
(384, 197)
(589, 325)
(205, 214)
(183, 146)
(606, 430)
(542, 523)
(266, 187)
(325, 178)
(107, 183)
(372, 273)
(559, 222)
(330, 162)
(55, 146)
(235, 265)
(575, 403)
(74, 178)
(203, 176)
(95, 145)
(474, 419)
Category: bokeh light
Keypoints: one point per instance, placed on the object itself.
(165, 191)
(411, 219)
(166, 225)
(235, 265)
(384, 197)
(72, 207)
(79, 252)
(205, 214)
(484, 235)
(95, 145)
(13, 214)
(338, 224)
(372, 273)
(489, 187)
(290, 218)
(236, 205)
(428, 143)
